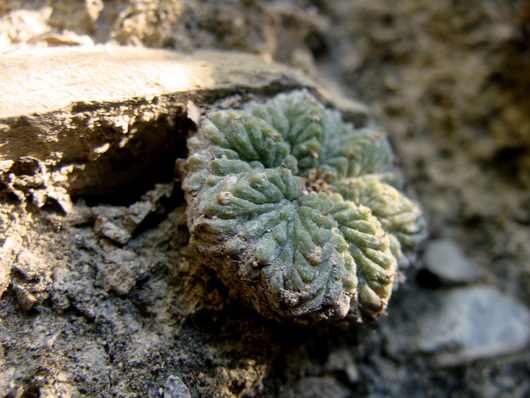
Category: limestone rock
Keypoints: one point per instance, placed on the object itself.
(445, 260)
(175, 388)
(109, 116)
(473, 323)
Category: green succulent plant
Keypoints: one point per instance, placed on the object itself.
(299, 213)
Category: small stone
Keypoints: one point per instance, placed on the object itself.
(60, 301)
(472, 323)
(26, 299)
(137, 212)
(109, 223)
(175, 388)
(342, 361)
(8, 252)
(445, 260)
(62, 377)
(323, 387)
(120, 223)
(5, 276)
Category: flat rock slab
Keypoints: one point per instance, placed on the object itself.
(175, 388)
(44, 80)
(105, 116)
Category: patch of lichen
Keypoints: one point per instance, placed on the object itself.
(295, 210)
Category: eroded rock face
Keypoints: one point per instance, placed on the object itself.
(296, 210)
(125, 120)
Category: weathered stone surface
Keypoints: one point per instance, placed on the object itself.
(324, 387)
(104, 116)
(63, 77)
(472, 323)
(175, 388)
(445, 260)
(119, 223)
(342, 361)
(7, 255)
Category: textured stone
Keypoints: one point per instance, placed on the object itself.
(175, 388)
(8, 253)
(445, 260)
(323, 387)
(104, 116)
(342, 361)
(472, 323)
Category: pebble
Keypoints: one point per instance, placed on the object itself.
(175, 388)
(8, 252)
(473, 323)
(444, 259)
(322, 387)
(342, 361)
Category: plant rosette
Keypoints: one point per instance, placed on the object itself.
(301, 215)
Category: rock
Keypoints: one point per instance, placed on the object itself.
(342, 361)
(110, 223)
(175, 388)
(8, 252)
(5, 276)
(119, 223)
(120, 270)
(472, 323)
(31, 278)
(103, 117)
(323, 387)
(444, 259)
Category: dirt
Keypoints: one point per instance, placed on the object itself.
(93, 305)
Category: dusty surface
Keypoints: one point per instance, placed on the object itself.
(106, 300)
(101, 118)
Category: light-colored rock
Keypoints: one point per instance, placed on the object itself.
(444, 259)
(5, 276)
(119, 223)
(110, 116)
(8, 252)
(175, 388)
(342, 361)
(323, 387)
(472, 323)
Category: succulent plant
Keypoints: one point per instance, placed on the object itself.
(300, 214)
